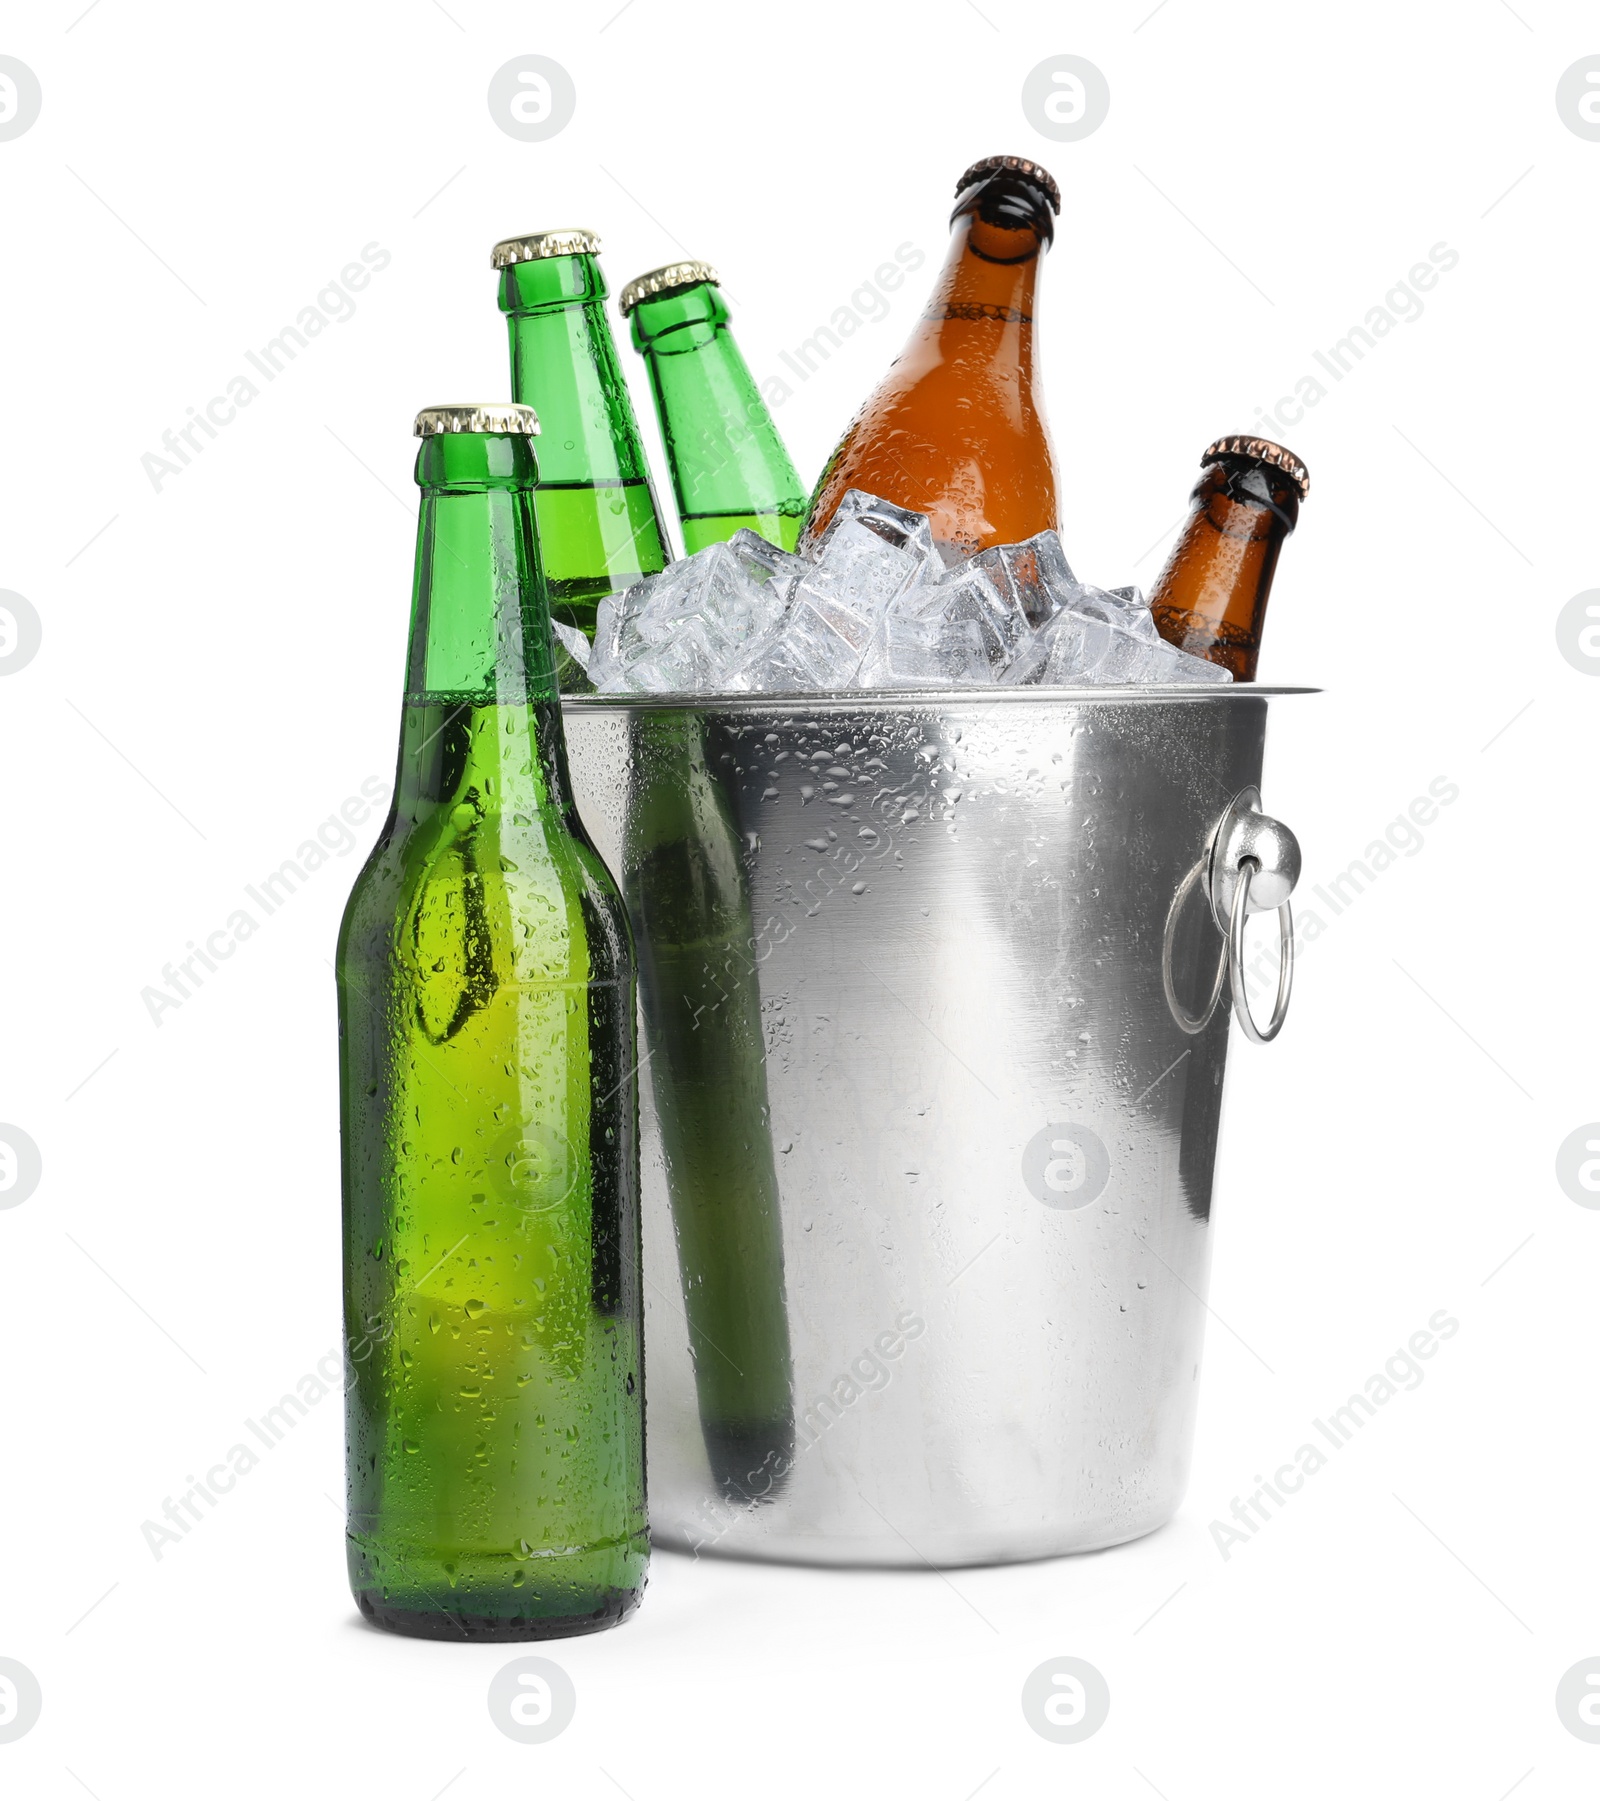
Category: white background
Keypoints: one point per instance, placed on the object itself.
(221, 668)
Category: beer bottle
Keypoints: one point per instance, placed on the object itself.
(599, 523)
(1211, 597)
(486, 1015)
(729, 466)
(956, 429)
(683, 873)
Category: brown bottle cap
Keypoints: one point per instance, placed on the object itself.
(1013, 165)
(667, 280)
(1263, 450)
(499, 417)
(535, 244)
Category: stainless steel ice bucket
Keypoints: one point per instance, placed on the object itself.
(929, 1110)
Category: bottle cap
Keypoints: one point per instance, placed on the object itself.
(666, 280)
(535, 244)
(1013, 165)
(499, 416)
(1263, 450)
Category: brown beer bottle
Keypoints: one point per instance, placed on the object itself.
(956, 429)
(1211, 597)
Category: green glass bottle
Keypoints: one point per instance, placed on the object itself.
(729, 466)
(599, 524)
(489, 1115)
(684, 878)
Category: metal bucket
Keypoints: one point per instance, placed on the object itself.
(935, 1018)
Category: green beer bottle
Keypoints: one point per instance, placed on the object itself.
(599, 523)
(729, 466)
(685, 882)
(489, 1115)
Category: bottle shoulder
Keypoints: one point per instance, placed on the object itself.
(528, 887)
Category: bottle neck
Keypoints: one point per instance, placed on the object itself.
(482, 722)
(991, 272)
(564, 365)
(1211, 597)
(729, 466)
(480, 617)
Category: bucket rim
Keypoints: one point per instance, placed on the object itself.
(877, 700)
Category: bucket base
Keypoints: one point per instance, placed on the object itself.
(954, 1551)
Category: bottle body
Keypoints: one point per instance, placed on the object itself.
(730, 469)
(600, 527)
(957, 428)
(486, 994)
(1210, 598)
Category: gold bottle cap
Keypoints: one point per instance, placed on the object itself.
(499, 416)
(1263, 450)
(1013, 165)
(535, 244)
(666, 280)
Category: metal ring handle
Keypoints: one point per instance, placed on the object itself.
(1191, 1023)
(1249, 867)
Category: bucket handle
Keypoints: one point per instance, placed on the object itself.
(1250, 865)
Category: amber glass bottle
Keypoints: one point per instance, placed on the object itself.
(1211, 597)
(956, 429)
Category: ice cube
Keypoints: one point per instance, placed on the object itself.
(573, 642)
(682, 666)
(692, 626)
(864, 577)
(743, 598)
(860, 513)
(1158, 661)
(763, 562)
(605, 656)
(1118, 606)
(1084, 648)
(1034, 576)
(819, 646)
(936, 651)
(871, 553)
(838, 602)
(971, 592)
